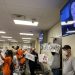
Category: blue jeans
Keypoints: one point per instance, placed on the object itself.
(56, 71)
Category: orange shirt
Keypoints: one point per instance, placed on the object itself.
(20, 52)
(22, 60)
(6, 66)
(20, 55)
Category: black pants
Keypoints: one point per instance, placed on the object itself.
(32, 67)
(32, 71)
(56, 71)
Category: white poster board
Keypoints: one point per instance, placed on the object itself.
(52, 47)
(30, 57)
(55, 47)
(43, 58)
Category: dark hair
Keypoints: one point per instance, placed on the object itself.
(9, 53)
(17, 47)
(54, 40)
(66, 47)
(12, 46)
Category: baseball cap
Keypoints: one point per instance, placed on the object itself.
(66, 47)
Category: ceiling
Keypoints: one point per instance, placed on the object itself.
(46, 12)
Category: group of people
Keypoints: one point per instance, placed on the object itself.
(68, 62)
(14, 61)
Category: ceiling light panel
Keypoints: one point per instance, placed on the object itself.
(28, 23)
(28, 34)
(2, 32)
(26, 38)
(8, 37)
(27, 42)
(12, 40)
(2, 40)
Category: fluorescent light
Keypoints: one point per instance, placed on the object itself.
(9, 39)
(27, 38)
(6, 37)
(2, 40)
(67, 23)
(12, 40)
(26, 42)
(26, 34)
(29, 23)
(70, 32)
(2, 32)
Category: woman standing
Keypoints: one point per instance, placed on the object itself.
(7, 62)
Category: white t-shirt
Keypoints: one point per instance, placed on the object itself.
(69, 66)
(15, 61)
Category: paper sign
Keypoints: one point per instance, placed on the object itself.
(55, 47)
(52, 47)
(43, 58)
(30, 57)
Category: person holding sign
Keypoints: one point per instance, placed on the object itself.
(55, 66)
(32, 64)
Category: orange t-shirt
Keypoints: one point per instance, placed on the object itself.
(20, 53)
(22, 60)
(6, 66)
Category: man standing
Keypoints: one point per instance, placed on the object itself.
(55, 63)
(68, 61)
(32, 64)
(55, 67)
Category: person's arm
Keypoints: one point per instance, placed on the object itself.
(1, 56)
(73, 64)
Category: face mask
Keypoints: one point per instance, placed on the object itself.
(64, 53)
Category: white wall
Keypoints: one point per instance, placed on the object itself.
(55, 31)
(37, 46)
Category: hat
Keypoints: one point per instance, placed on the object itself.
(66, 47)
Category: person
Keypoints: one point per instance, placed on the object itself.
(17, 47)
(7, 63)
(55, 66)
(21, 59)
(10, 52)
(13, 49)
(71, 27)
(68, 61)
(32, 64)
